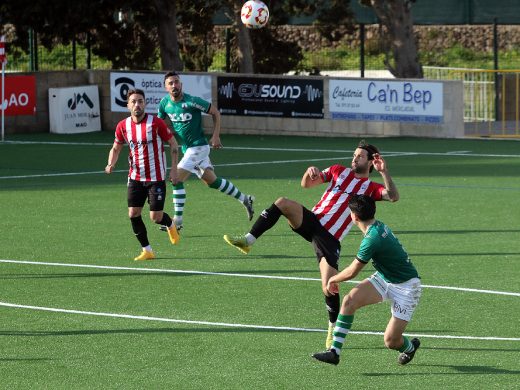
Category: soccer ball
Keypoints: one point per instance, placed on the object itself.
(254, 14)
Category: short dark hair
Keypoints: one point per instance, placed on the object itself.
(363, 206)
(370, 149)
(134, 91)
(171, 73)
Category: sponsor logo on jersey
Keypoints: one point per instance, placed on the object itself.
(182, 117)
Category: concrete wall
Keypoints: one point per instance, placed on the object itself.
(453, 126)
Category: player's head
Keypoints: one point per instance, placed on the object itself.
(370, 149)
(362, 206)
(173, 84)
(135, 101)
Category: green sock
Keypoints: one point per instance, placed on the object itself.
(343, 325)
(228, 188)
(179, 198)
(407, 345)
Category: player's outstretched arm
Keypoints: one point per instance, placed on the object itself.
(390, 192)
(311, 177)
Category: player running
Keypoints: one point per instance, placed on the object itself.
(184, 111)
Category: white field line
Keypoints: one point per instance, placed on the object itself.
(239, 275)
(348, 157)
(247, 326)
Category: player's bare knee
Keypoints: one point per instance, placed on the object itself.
(349, 305)
(393, 342)
(281, 202)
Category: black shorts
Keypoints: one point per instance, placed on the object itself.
(324, 243)
(154, 191)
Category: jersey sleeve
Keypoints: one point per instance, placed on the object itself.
(329, 173)
(200, 104)
(161, 113)
(377, 191)
(163, 130)
(366, 249)
(119, 137)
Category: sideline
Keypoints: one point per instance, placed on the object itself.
(239, 275)
(248, 326)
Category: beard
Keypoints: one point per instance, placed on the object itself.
(359, 168)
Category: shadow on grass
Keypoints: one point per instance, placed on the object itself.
(458, 370)
(463, 231)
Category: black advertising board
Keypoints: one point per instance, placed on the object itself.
(275, 97)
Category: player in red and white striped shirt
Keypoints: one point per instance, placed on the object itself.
(145, 135)
(329, 221)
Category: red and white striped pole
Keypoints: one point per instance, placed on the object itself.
(3, 60)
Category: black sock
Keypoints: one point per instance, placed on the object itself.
(140, 230)
(266, 221)
(166, 220)
(332, 303)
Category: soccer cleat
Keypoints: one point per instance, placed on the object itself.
(238, 242)
(145, 255)
(330, 356)
(173, 233)
(330, 336)
(405, 358)
(248, 204)
(164, 228)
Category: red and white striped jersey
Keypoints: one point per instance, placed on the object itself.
(147, 159)
(332, 210)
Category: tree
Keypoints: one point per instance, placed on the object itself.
(166, 15)
(396, 17)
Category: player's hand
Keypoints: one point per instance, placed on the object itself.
(215, 142)
(379, 163)
(174, 178)
(313, 173)
(109, 169)
(333, 287)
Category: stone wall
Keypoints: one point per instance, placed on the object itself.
(430, 38)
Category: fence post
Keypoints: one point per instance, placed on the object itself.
(228, 50)
(33, 50)
(495, 64)
(74, 53)
(89, 60)
(362, 49)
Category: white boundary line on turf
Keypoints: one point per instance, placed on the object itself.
(176, 271)
(248, 326)
(394, 154)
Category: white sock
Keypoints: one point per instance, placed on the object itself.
(148, 248)
(250, 239)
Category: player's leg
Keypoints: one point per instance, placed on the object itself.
(179, 196)
(362, 295)
(136, 197)
(405, 298)
(292, 210)
(394, 339)
(226, 187)
(332, 301)
(156, 199)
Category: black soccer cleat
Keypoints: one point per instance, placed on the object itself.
(405, 358)
(248, 204)
(330, 356)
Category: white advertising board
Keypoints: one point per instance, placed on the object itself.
(381, 100)
(74, 110)
(153, 86)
